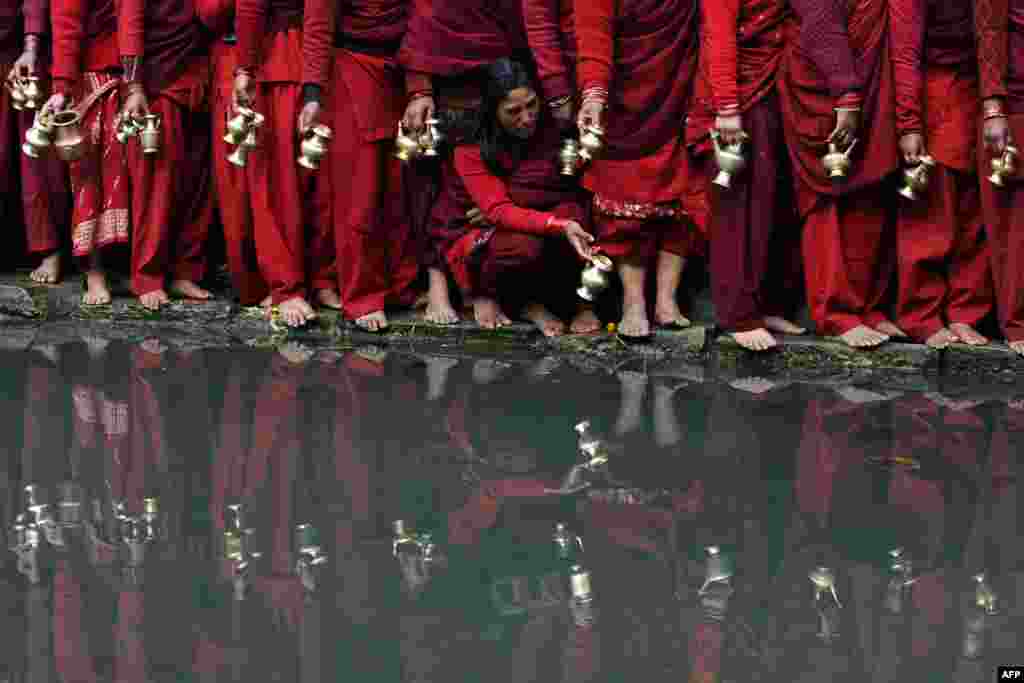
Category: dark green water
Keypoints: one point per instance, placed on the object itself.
(229, 515)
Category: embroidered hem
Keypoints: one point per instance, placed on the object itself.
(637, 210)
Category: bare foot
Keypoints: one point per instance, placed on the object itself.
(296, 311)
(668, 313)
(544, 320)
(373, 322)
(189, 290)
(941, 339)
(755, 340)
(488, 314)
(97, 293)
(967, 334)
(328, 298)
(782, 326)
(1017, 347)
(154, 300)
(890, 330)
(48, 272)
(439, 309)
(634, 321)
(585, 322)
(863, 337)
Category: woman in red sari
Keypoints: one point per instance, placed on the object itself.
(511, 176)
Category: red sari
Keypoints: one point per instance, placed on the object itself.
(943, 262)
(842, 51)
(517, 206)
(642, 184)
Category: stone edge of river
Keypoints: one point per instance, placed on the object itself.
(36, 314)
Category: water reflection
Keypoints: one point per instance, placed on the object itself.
(310, 515)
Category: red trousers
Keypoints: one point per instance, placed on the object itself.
(172, 201)
(508, 254)
(99, 180)
(846, 263)
(231, 185)
(943, 262)
(45, 197)
(640, 238)
(289, 209)
(752, 228)
(1002, 209)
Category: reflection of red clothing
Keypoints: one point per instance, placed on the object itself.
(70, 638)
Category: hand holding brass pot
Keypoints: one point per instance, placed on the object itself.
(149, 136)
(314, 146)
(594, 278)
(407, 148)
(569, 156)
(591, 142)
(1004, 166)
(915, 178)
(39, 136)
(69, 142)
(240, 157)
(836, 163)
(730, 160)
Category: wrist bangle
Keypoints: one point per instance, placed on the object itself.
(846, 109)
(559, 102)
(995, 115)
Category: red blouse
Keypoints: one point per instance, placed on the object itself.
(264, 43)
(84, 40)
(991, 23)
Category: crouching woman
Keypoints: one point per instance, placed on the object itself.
(507, 222)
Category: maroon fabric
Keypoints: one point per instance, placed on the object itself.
(451, 37)
(1015, 65)
(283, 14)
(367, 25)
(171, 35)
(10, 31)
(101, 19)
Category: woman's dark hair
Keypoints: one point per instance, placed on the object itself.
(501, 78)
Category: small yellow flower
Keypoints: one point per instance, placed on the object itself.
(611, 328)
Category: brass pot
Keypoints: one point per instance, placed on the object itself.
(33, 93)
(149, 136)
(15, 87)
(127, 127)
(431, 139)
(1004, 166)
(569, 156)
(591, 142)
(915, 179)
(238, 126)
(69, 141)
(730, 161)
(38, 137)
(836, 163)
(240, 157)
(407, 148)
(314, 147)
(594, 278)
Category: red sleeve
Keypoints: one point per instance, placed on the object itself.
(36, 13)
(991, 24)
(906, 23)
(68, 25)
(216, 15)
(825, 40)
(595, 43)
(490, 195)
(250, 25)
(544, 35)
(131, 27)
(317, 41)
(721, 50)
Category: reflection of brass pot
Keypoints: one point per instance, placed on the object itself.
(824, 581)
(149, 136)
(836, 163)
(915, 179)
(314, 147)
(594, 278)
(984, 597)
(591, 142)
(33, 93)
(69, 141)
(407, 148)
(431, 139)
(730, 161)
(238, 126)
(38, 137)
(1004, 166)
(570, 157)
(717, 569)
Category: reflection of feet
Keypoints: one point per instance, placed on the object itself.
(47, 351)
(755, 340)
(373, 322)
(861, 396)
(782, 326)
(1017, 347)
(296, 353)
(585, 322)
(941, 339)
(97, 293)
(488, 314)
(437, 375)
(296, 312)
(95, 346)
(890, 330)
(544, 367)
(267, 302)
(190, 290)
(863, 337)
(48, 272)
(154, 300)
(544, 320)
(633, 386)
(967, 334)
(668, 313)
(753, 385)
(328, 298)
(487, 371)
(634, 321)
